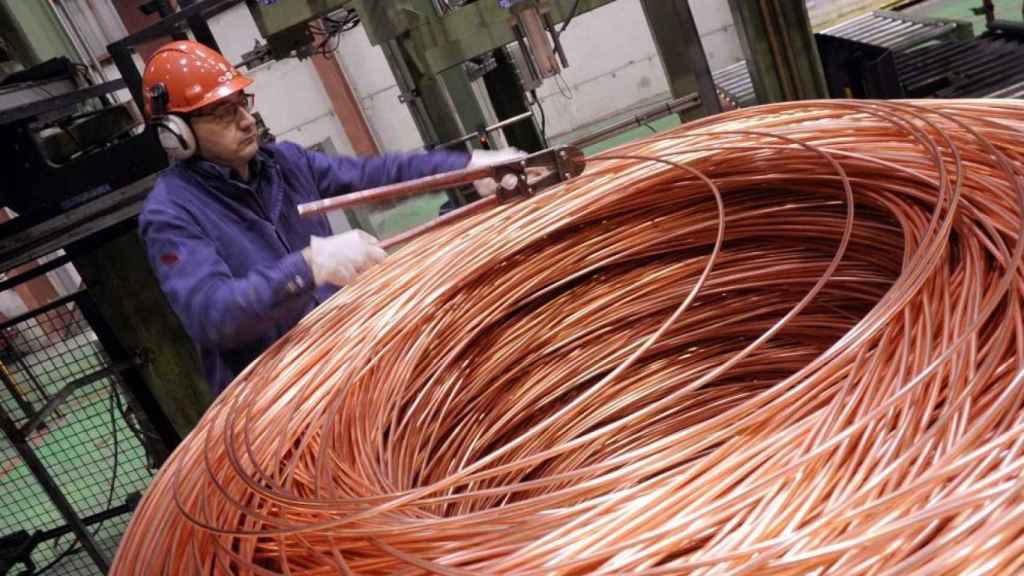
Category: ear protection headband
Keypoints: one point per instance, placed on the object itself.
(172, 130)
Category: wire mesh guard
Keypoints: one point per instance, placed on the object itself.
(93, 444)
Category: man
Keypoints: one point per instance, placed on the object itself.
(222, 230)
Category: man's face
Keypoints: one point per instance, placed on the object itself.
(225, 130)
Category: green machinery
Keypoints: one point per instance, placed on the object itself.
(433, 47)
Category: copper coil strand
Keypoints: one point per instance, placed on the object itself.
(782, 340)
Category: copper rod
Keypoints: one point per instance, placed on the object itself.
(396, 191)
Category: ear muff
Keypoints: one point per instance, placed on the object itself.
(175, 136)
(173, 131)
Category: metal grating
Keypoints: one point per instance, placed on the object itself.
(93, 445)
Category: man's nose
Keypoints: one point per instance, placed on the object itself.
(245, 119)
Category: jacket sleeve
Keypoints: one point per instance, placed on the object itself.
(217, 309)
(336, 175)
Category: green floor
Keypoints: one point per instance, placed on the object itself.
(963, 10)
(402, 216)
(78, 450)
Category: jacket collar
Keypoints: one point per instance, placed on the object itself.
(264, 182)
(220, 172)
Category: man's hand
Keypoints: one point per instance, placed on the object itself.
(337, 260)
(487, 186)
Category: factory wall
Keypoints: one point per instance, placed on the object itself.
(375, 87)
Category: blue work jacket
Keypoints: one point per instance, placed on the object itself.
(228, 253)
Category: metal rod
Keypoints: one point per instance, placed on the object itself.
(121, 54)
(525, 51)
(70, 27)
(676, 106)
(488, 130)
(28, 456)
(709, 100)
(70, 388)
(449, 218)
(395, 191)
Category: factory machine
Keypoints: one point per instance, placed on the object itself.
(100, 382)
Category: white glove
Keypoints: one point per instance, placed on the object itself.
(337, 260)
(481, 158)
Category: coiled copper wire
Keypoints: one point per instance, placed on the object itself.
(782, 340)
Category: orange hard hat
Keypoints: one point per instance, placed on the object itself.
(184, 76)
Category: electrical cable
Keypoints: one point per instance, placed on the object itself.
(74, 548)
(330, 29)
(543, 118)
(780, 340)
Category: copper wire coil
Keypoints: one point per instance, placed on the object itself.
(781, 340)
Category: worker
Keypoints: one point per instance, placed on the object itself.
(221, 226)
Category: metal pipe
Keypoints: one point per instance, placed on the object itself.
(487, 130)
(533, 28)
(397, 191)
(676, 106)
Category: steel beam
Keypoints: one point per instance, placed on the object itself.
(170, 389)
(780, 49)
(682, 55)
